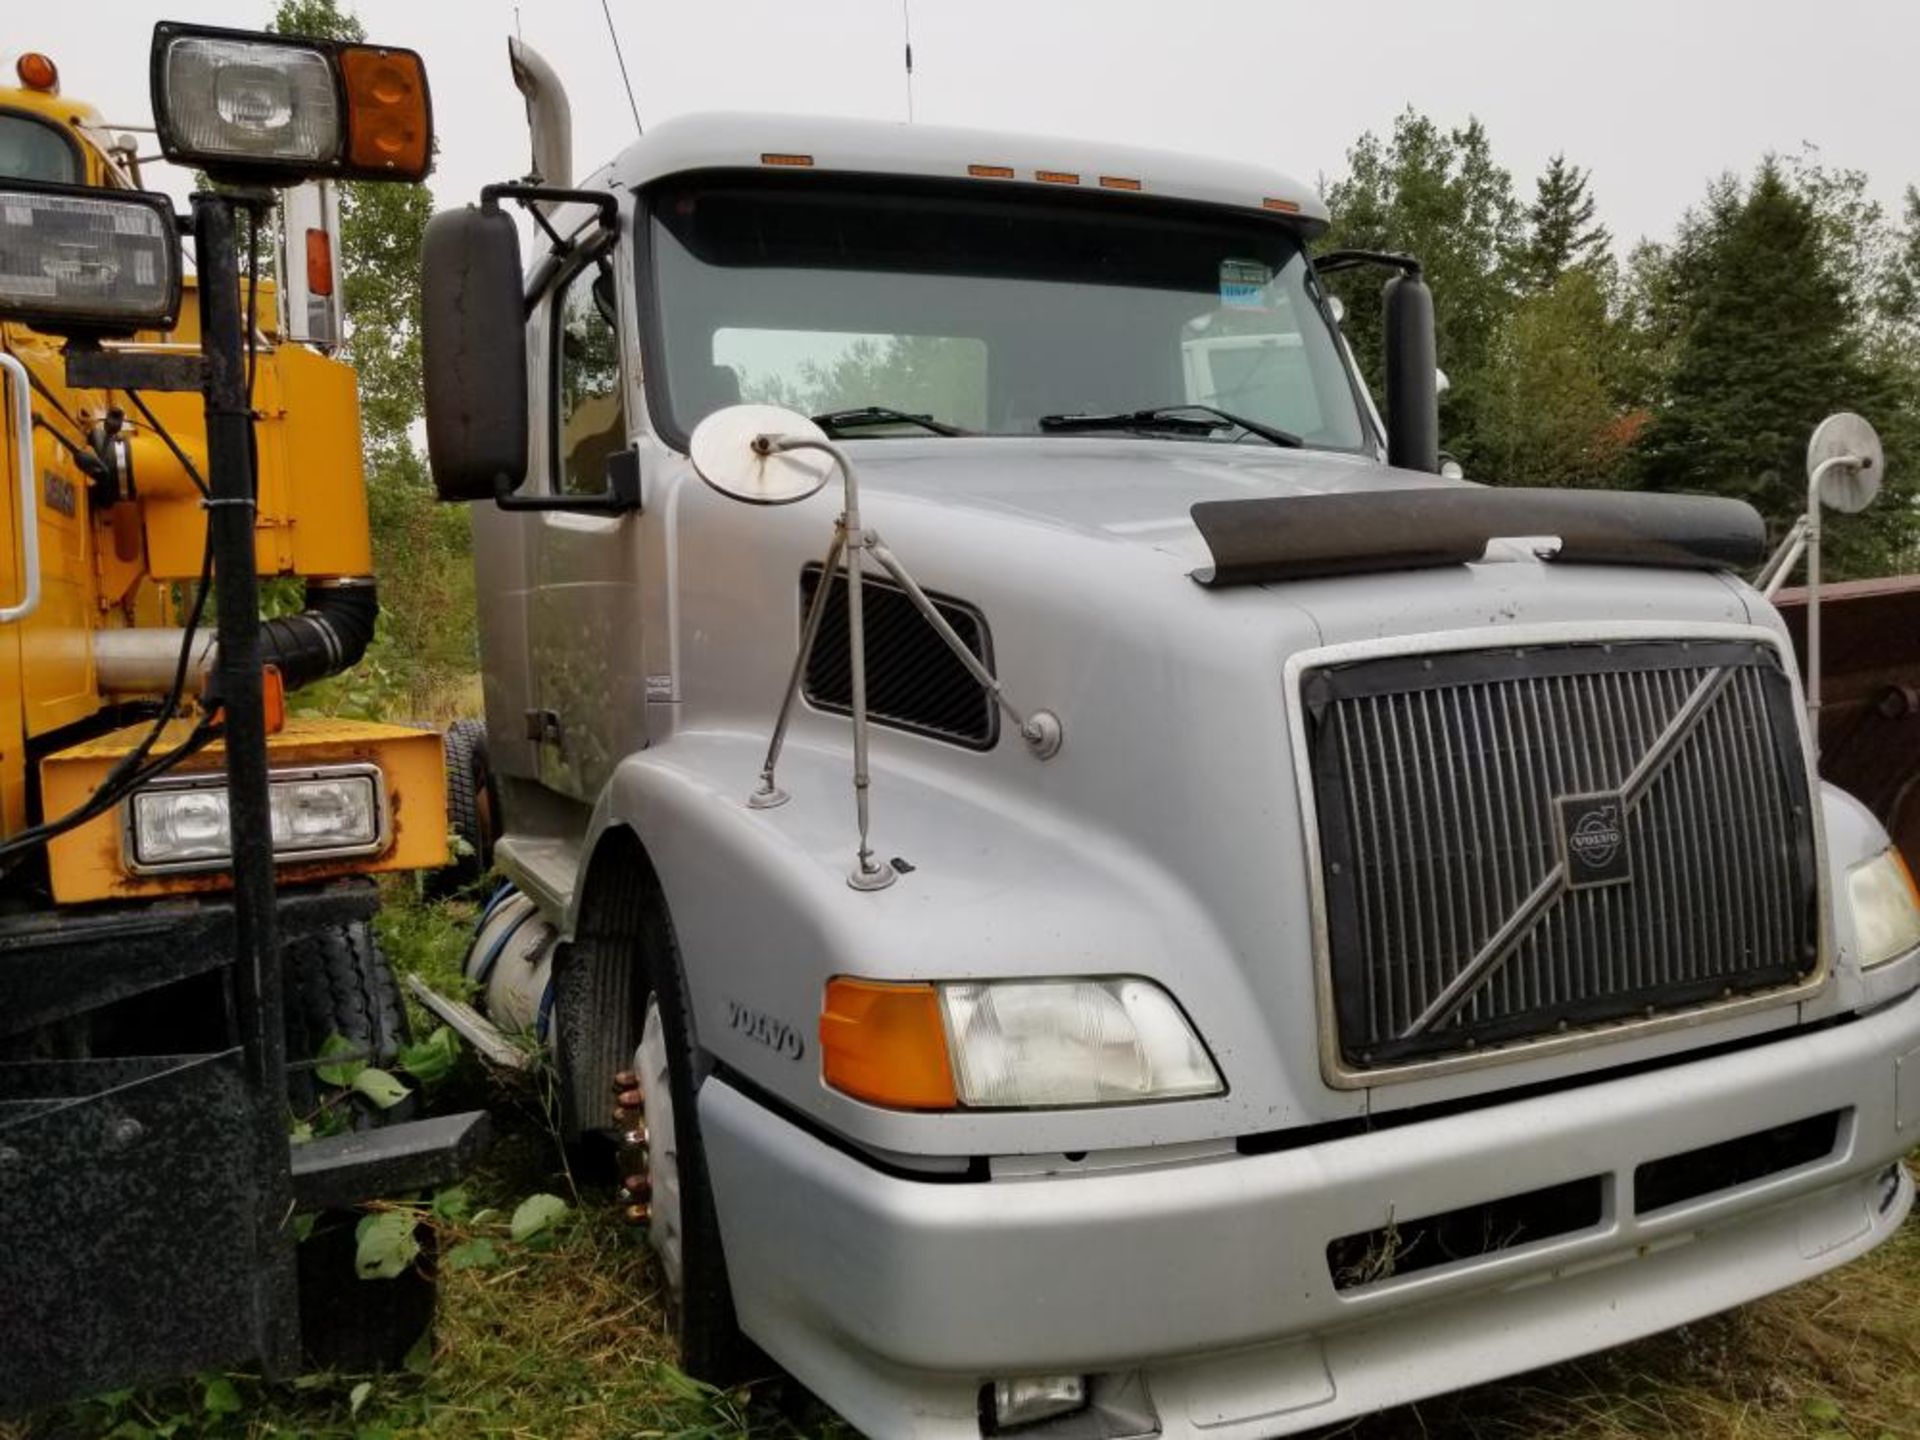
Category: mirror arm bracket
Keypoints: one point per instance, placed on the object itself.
(621, 497)
(606, 204)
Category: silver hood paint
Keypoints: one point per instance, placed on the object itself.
(1164, 840)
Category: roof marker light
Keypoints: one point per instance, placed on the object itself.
(1056, 177)
(990, 172)
(1118, 182)
(799, 161)
(38, 72)
(1285, 207)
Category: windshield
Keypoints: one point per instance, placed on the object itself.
(31, 150)
(992, 312)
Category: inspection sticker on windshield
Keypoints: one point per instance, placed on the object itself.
(1243, 284)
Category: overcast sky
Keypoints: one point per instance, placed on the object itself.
(1654, 96)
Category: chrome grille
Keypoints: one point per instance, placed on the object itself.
(1463, 799)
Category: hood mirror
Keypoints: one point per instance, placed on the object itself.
(764, 455)
(1845, 466)
(734, 450)
(1845, 463)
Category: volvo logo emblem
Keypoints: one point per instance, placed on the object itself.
(1593, 839)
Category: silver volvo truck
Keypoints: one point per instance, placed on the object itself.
(1222, 928)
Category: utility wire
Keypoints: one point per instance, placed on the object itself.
(634, 105)
(906, 29)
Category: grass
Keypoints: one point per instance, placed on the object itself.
(562, 1335)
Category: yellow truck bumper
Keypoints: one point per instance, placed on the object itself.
(92, 862)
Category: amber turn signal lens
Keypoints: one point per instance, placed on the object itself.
(886, 1045)
(319, 263)
(273, 698)
(37, 71)
(389, 128)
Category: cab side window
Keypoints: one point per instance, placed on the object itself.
(589, 412)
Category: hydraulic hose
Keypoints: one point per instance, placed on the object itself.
(328, 636)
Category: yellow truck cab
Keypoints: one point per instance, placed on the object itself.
(115, 545)
(162, 1124)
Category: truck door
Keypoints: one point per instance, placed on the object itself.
(584, 622)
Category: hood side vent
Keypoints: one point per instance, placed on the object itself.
(914, 683)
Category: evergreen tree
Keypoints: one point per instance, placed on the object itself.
(1562, 234)
(1549, 414)
(1764, 352)
(1437, 195)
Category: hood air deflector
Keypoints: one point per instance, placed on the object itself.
(1257, 542)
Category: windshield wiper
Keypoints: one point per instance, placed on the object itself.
(1176, 418)
(837, 420)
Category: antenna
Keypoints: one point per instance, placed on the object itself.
(906, 30)
(614, 34)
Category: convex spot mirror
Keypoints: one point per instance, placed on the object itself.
(1847, 487)
(734, 451)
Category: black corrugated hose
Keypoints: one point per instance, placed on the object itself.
(329, 636)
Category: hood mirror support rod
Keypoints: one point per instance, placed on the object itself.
(1845, 467)
(750, 453)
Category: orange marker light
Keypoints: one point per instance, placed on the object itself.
(38, 72)
(886, 1044)
(1056, 177)
(273, 698)
(319, 263)
(389, 129)
(1286, 207)
(776, 158)
(1118, 182)
(990, 172)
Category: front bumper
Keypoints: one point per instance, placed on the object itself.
(1207, 1287)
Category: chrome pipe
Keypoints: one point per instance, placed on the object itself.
(143, 661)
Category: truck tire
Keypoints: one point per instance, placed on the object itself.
(472, 805)
(338, 982)
(711, 1345)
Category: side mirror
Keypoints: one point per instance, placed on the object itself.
(1413, 390)
(1845, 463)
(473, 352)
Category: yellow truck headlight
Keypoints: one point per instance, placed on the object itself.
(74, 259)
(232, 99)
(1886, 908)
(321, 814)
(252, 106)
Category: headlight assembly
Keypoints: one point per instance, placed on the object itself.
(74, 259)
(330, 812)
(1011, 1044)
(1886, 908)
(244, 105)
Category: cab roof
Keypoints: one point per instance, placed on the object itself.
(819, 144)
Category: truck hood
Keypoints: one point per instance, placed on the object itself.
(1133, 491)
(1139, 494)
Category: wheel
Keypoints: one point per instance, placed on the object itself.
(472, 808)
(683, 1226)
(338, 982)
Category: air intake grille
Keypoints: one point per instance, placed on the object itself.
(1517, 842)
(913, 681)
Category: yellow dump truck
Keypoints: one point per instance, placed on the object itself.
(161, 1014)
